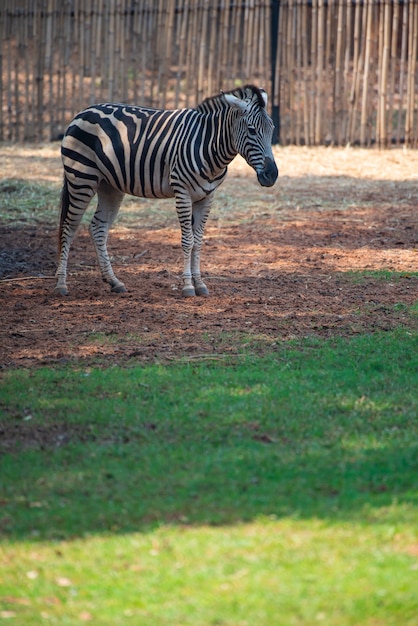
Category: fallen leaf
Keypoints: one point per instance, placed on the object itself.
(85, 616)
(63, 582)
(14, 600)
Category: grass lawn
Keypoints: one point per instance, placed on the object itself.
(270, 483)
(275, 490)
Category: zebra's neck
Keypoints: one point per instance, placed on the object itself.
(219, 121)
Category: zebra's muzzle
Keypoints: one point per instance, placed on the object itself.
(268, 175)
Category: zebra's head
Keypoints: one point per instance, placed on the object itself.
(253, 131)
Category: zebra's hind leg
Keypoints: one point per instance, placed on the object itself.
(199, 218)
(108, 206)
(74, 201)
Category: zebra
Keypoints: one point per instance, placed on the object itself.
(117, 149)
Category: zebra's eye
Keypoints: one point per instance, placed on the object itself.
(252, 131)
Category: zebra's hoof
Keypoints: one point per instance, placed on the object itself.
(119, 288)
(202, 291)
(61, 291)
(188, 292)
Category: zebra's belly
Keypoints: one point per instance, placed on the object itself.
(151, 192)
(163, 189)
(149, 183)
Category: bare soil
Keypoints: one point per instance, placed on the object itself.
(279, 264)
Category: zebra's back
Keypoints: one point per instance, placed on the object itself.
(132, 148)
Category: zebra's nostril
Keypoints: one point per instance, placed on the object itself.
(268, 176)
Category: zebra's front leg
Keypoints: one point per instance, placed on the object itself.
(184, 213)
(199, 218)
(109, 202)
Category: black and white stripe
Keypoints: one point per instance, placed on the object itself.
(114, 149)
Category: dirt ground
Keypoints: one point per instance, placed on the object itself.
(279, 263)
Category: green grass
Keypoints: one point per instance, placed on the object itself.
(362, 276)
(271, 490)
(24, 202)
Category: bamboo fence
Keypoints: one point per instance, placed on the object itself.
(344, 71)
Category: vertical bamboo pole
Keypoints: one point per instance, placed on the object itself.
(66, 59)
(191, 47)
(383, 78)
(27, 112)
(81, 31)
(289, 58)
(126, 17)
(314, 55)
(110, 52)
(319, 73)
(126, 48)
(237, 18)
(297, 56)
(32, 36)
(278, 99)
(264, 45)
(213, 63)
(118, 70)
(412, 57)
(328, 20)
(7, 42)
(95, 47)
(102, 51)
(186, 48)
(182, 50)
(167, 37)
(357, 64)
(223, 43)
(15, 87)
(202, 51)
(297, 39)
(135, 52)
(402, 69)
(9, 76)
(338, 78)
(149, 36)
(3, 9)
(59, 45)
(252, 48)
(49, 27)
(160, 48)
(40, 70)
(245, 56)
(305, 76)
(73, 46)
(379, 11)
(346, 72)
(392, 70)
(143, 25)
(152, 43)
(255, 36)
(413, 78)
(87, 39)
(364, 117)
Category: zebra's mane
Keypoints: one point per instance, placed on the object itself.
(248, 92)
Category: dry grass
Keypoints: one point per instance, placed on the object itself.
(41, 162)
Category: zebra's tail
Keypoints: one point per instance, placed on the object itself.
(64, 204)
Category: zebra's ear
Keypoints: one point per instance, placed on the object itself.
(264, 95)
(235, 102)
